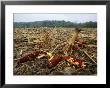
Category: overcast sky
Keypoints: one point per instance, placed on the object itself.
(67, 17)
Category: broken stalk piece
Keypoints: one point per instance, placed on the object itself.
(87, 55)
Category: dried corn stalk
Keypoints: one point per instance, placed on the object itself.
(71, 41)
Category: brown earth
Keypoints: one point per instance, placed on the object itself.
(46, 39)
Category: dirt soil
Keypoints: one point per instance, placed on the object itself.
(46, 39)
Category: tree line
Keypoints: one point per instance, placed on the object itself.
(55, 23)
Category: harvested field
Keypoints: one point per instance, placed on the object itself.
(55, 41)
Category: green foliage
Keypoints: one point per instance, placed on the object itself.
(55, 23)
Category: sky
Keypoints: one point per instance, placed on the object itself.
(73, 17)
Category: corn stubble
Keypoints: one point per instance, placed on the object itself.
(55, 51)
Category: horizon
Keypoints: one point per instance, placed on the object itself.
(53, 20)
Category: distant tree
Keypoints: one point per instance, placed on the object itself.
(54, 23)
